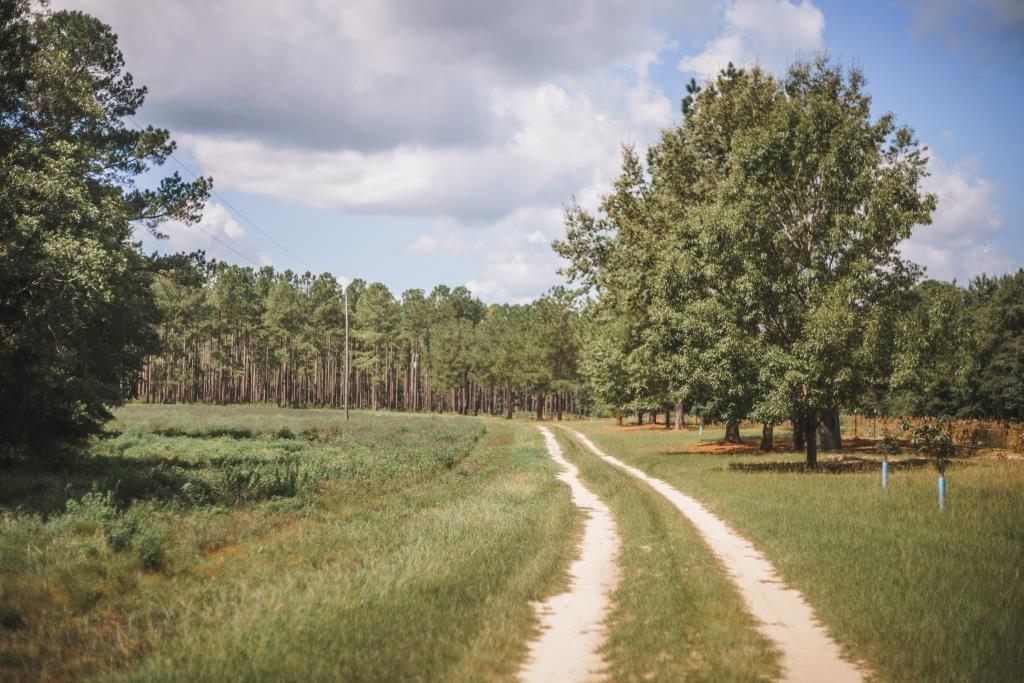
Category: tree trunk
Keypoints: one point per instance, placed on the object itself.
(639, 417)
(799, 442)
(540, 407)
(829, 437)
(679, 415)
(767, 436)
(810, 426)
(618, 420)
(508, 403)
(732, 431)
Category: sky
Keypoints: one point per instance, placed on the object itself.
(422, 142)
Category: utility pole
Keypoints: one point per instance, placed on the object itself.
(346, 353)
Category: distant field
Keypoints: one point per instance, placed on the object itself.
(206, 543)
(918, 594)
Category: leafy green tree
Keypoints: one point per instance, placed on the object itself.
(810, 216)
(76, 307)
(997, 320)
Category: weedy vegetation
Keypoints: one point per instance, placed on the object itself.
(204, 543)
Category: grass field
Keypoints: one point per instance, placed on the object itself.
(917, 594)
(254, 543)
(245, 543)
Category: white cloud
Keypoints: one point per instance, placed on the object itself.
(770, 32)
(216, 224)
(560, 141)
(959, 242)
(515, 256)
(480, 119)
(369, 75)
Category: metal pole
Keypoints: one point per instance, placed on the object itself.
(347, 373)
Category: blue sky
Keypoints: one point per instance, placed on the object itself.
(419, 143)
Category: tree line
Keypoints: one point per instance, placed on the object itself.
(746, 268)
(230, 334)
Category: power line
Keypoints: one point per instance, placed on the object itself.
(241, 215)
(225, 244)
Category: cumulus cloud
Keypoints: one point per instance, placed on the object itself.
(769, 32)
(959, 243)
(561, 143)
(217, 224)
(480, 119)
(367, 75)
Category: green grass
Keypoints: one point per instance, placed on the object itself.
(675, 614)
(917, 594)
(201, 543)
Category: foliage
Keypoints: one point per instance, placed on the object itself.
(759, 244)
(888, 445)
(935, 439)
(75, 302)
(238, 335)
(959, 351)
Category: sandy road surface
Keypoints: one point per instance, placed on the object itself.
(572, 623)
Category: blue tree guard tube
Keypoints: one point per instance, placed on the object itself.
(942, 492)
(885, 474)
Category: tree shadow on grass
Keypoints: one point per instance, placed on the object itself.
(44, 485)
(843, 465)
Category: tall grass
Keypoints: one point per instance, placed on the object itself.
(920, 595)
(243, 544)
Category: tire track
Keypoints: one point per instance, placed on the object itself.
(572, 623)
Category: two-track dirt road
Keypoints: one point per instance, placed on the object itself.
(573, 623)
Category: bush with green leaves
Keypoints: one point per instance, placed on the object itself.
(934, 439)
(150, 544)
(888, 445)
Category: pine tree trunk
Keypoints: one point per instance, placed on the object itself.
(680, 415)
(540, 407)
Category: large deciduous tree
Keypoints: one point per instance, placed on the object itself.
(810, 216)
(76, 306)
(759, 245)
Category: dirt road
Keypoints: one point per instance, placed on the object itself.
(808, 653)
(572, 623)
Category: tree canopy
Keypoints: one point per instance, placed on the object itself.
(76, 306)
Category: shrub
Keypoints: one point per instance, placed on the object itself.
(150, 544)
(888, 445)
(121, 532)
(935, 439)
